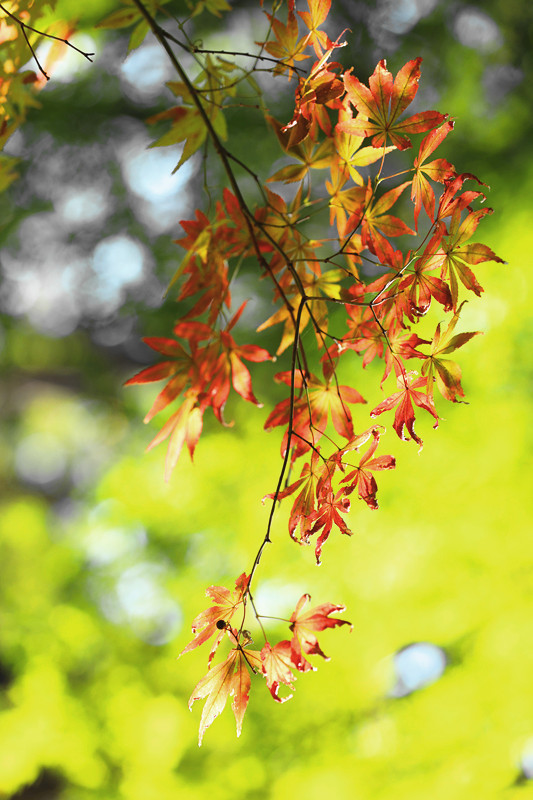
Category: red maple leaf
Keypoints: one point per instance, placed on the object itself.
(277, 668)
(381, 105)
(177, 370)
(330, 506)
(304, 627)
(407, 394)
(361, 477)
(438, 170)
(449, 202)
(311, 476)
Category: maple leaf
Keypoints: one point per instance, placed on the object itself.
(182, 427)
(317, 285)
(402, 346)
(287, 316)
(226, 603)
(330, 506)
(190, 123)
(177, 370)
(438, 170)
(346, 205)
(208, 245)
(361, 477)
(305, 625)
(322, 87)
(393, 302)
(446, 372)
(277, 668)
(187, 126)
(350, 152)
(310, 412)
(460, 256)
(381, 105)
(217, 367)
(316, 16)
(375, 222)
(214, 6)
(450, 203)
(304, 505)
(122, 18)
(421, 286)
(365, 335)
(229, 678)
(407, 394)
(288, 47)
(310, 154)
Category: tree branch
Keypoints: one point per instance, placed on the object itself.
(23, 27)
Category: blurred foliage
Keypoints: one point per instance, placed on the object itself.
(103, 565)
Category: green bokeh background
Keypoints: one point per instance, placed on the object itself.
(94, 703)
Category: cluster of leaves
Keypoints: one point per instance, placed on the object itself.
(348, 130)
(341, 126)
(231, 677)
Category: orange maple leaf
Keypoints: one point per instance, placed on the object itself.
(289, 47)
(184, 426)
(310, 413)
(225, 605)
(316, 16)
(330, 506)
(419, 286)
(381, 105)
(375, 222)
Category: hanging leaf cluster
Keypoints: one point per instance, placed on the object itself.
(387, 246)
(411, 229)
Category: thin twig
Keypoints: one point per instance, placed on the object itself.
(257, 56)
(23, 27)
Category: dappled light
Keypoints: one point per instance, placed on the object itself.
(474, 28)
(416, 666)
